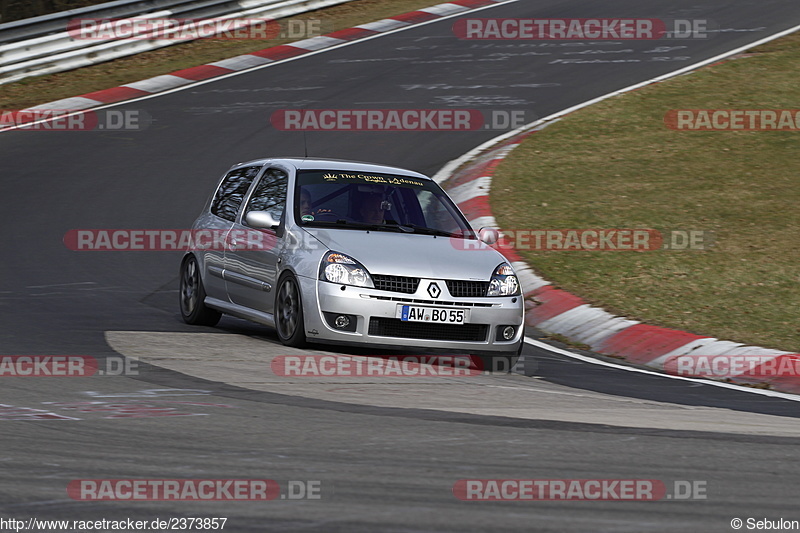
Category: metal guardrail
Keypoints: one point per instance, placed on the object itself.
(42, 45)
(30, 28)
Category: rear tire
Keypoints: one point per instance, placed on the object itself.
(289, 322)
(192, 296)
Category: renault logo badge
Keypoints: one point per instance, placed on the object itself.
(434, 290)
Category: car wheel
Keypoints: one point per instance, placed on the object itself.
(289, 312)
(193, 295)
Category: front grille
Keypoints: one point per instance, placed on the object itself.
(467, 289)
(395, 283)
(394, 327)
(431, 302)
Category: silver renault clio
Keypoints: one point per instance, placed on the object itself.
(341, 252)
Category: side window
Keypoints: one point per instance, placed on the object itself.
(232, 191)
(270, 194)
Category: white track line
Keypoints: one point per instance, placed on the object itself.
(194, 84)
(600, 362)
(450, 167)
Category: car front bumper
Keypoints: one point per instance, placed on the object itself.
(376, 322)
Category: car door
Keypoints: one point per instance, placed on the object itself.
(212, 230)
(251, 254)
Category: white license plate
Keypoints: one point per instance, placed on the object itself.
(436, 315)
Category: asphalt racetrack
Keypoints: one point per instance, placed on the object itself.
(380, 454)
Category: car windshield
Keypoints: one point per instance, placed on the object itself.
(383, 202)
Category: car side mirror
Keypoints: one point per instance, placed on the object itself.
(261, 220)
(488, 235)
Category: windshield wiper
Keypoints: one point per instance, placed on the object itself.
(413, 228)
(389, 225)
(368, 226)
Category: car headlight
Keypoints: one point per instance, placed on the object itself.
(504, 282)
(344, 270)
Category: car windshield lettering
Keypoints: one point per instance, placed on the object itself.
(375, 202)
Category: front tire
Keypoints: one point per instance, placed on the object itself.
(192, 296)
(289, 322)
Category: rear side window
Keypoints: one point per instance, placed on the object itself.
(232, 191)
(270, 193)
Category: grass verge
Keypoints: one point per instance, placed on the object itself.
(42, 89)
(616, 164)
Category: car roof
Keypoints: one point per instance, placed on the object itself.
(308, 163)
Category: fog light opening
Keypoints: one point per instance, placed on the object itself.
(341, 321)
(508, 332)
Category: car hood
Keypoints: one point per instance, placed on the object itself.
(413, 255)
